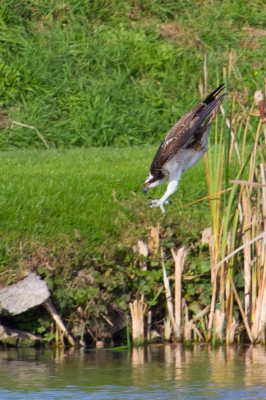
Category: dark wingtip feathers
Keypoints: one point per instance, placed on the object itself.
(213, 94)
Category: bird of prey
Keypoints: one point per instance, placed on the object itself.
(182, 147)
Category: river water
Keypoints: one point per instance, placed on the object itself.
(155, 372)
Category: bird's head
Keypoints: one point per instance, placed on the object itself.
(151, 182)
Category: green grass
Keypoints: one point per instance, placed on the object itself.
(55, 197)
(110, 73)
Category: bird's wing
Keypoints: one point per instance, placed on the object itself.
(175, 138)
(183, 130)
(211, 97)
(213, 111)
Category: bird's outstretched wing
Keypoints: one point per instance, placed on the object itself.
(184, 130)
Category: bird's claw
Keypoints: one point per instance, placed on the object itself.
(156, 203)
(151, 204)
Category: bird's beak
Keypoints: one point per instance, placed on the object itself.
(145, 189)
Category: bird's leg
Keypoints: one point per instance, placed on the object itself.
(171, 188)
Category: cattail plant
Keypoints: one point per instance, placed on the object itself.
(243, 219)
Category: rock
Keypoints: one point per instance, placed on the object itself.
(17, 338)
(28, 293)
(15, 299)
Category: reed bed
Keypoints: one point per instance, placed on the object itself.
(236, 240)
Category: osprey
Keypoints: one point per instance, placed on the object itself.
(182, 147)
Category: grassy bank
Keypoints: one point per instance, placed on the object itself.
(93, 195)
(87, 74)
(73, 216)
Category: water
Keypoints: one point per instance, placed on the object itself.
(157, 372)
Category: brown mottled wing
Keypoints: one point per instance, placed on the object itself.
(214, 111)
(183, 130)
(175, 138)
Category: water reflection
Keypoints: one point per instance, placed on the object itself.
(157, 369)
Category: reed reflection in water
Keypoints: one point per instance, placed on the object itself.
(156, 371)
(226, 366)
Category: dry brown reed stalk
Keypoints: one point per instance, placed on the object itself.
(179, 258)
(254, 184)
(246, 236)
(137, 309)
(197, 318)
(219, 324)
(176, 316)
(208, 238)
(167, 328)
(210, 197)
(154, 239)
(178, 333)
(241, 310)
(188, 325)
(59, 323)
(258, 327)
(230, 333)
